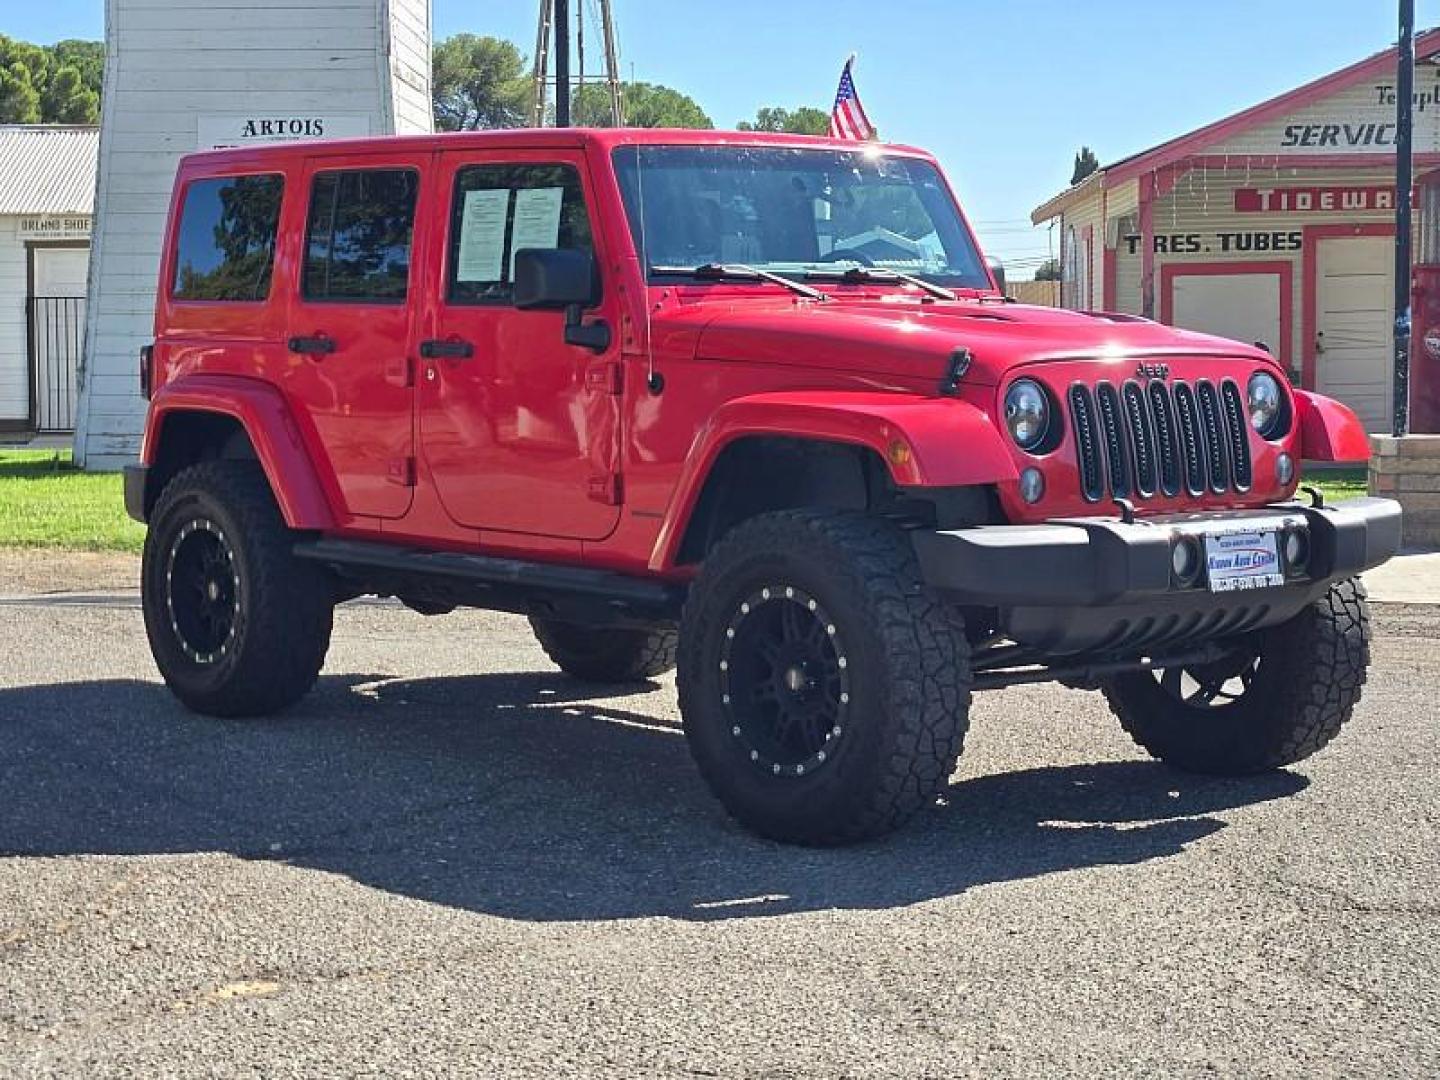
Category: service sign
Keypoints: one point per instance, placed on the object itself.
(1358, 120)
(243, 129)
(55, 227)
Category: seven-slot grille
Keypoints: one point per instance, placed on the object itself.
(1136, 441)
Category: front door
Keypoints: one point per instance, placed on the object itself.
(351, 324)
(519, 430)
(1354, 303)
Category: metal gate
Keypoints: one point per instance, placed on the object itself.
(57, 328)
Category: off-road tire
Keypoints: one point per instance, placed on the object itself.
(607, 654)
(1308, 681)
(280, 630)
(908, 665)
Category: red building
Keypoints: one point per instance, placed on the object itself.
(1276, 225)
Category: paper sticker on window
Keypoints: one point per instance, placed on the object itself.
(482, 235)
(537, 220)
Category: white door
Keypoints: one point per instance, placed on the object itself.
(57, 327)
(1242, 307)
(1353, 323)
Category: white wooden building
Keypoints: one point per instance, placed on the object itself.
(47, 186)
(182, 76)
(1273, 225)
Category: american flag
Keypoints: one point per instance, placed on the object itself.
(847, 118)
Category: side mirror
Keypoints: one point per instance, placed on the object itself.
(554, 278)
(547, 278)
(997, 271)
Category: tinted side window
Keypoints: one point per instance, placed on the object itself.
(501, 209)
(225, 246)
(358, 240)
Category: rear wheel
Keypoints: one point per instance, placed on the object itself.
(607, 654)
(1279, 697)
(825, 691)
(237, 625)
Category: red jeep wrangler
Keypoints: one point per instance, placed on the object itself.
(751, 405)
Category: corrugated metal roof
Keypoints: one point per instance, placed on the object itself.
(47, 169)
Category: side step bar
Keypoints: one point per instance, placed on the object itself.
(448, 579)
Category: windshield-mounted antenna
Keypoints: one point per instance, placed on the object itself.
(654, 381)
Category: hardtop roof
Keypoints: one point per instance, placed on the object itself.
(599, 139)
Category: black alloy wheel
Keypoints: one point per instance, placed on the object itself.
(202, 591)
(784, 680)
(1213, 685)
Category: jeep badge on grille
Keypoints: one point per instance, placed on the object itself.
(1152, 371)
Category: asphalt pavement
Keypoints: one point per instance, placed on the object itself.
(451, 860)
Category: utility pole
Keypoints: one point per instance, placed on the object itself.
(554, 22)
(1404, 183)
(540, 77)
(612, 65)
(562, 63)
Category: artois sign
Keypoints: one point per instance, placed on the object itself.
(242, 129)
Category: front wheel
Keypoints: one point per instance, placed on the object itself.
(238, 626)
(825, 690)
(1279, 697)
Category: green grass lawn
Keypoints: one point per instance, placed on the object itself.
(1338, 484)
(45, 501)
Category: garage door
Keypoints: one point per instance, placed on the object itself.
(1353, 321)
(1242, 306)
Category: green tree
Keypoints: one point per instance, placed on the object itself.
(22, 70)
(802, 121)
(1085, 163)
(646, 105)
(59, 84)
(72, 92)
(86, 57)
(479, 82)
(1049, 270)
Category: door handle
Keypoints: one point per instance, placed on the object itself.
(453, 349)
(320, 344)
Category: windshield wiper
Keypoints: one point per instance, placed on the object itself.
(719, 271)
(856, 274)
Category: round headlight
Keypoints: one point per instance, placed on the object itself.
(1027, 413)
(1266, 401)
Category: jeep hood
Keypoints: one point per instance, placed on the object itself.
(900, 336)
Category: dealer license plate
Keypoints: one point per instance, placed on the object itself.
(1242, 560)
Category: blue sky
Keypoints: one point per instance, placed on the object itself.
(1002, 91)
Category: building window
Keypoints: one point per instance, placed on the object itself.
(501, 209)
(357, 246)
(225, 245)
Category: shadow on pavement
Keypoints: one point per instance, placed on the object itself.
(526, 796)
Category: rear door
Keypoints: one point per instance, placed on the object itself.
(351, 327)
(519, 430)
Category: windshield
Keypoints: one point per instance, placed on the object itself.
(807, 212)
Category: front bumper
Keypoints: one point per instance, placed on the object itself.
(1105, 585)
